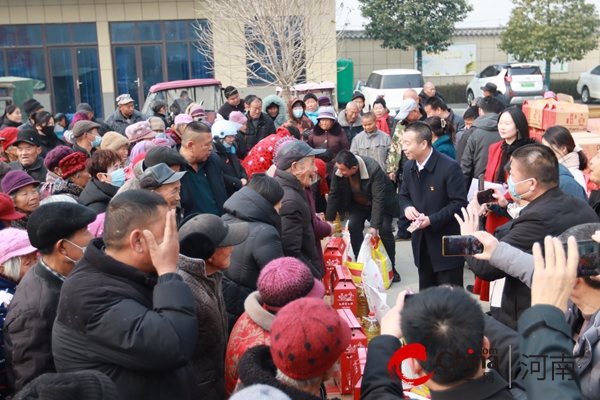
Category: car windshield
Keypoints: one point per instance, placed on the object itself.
(525, 71)
(402, 81)
(204, 95)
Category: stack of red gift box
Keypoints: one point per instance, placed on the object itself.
(338, 282)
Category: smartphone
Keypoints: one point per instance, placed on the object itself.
(486, 196)
(458, 245)
(589, 258)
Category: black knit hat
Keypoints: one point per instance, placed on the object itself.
(358, 94)
(52, 222)
(80, 385)
(381, 101)
(310, 96)
(31, 106)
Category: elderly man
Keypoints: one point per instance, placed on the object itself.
(296, 171)
(59, 231)
(206, 243)
(490, 89)
(428, 92)
(259, 125)
(372, 142)
(124, 310)
(87, 138)
(124, 115)
(85, 107)
(362, 185)
(29, 148)
(412, 94)
(163, 180)
(203, 188)
(350, 121)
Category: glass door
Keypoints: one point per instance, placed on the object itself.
(88, 81)
(152, 68)
(127, 76)
(61, 65)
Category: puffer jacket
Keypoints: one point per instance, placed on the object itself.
(49, 143)
(297, 230)
(28, 326)
(351, 131)
(96, 195)
(281, 115)
(137, 328)
(249, 258)
(208, 359)
(335, 139)
(251, 330)
(233, 172)
(37, 170)
(118, 123)
(255, 133)
(304, 123)
(475, 157)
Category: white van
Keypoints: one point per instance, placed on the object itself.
(392, 83)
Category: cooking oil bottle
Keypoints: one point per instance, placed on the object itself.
(362, 306)
(372, 328)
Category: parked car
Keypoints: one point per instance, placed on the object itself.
(588, 85)
(206, 92)
(392, 83)
(517, 82)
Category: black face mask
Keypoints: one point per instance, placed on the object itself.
(48, 130)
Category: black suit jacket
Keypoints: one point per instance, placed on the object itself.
(550, 214)
(439, 192)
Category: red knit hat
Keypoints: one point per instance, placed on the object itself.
(322, 171)
(307, 338)
(72, 164)
(7, 209)
(10, 134)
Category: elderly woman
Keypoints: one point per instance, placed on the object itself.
(51, 161)
(17, 255)
(140, 131)
(107, 177)
(206, 243)
(7, 211)
(117, 142)
(328, 134)
(74, 176)
(22, 189)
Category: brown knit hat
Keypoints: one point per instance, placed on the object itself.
(113, 141)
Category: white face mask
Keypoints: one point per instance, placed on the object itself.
(80, 248)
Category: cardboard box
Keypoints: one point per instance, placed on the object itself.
(359, 371)
(574, 117)
(334, 255)
(349, 360)
(593, 125)
(535, 115)
(589, 142)
(344, 289)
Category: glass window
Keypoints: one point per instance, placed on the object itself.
(89, 78)
(149, 32)
(524, 71)
(29, 35)
(177, 61)
(176, 30)
(58, 34)
(84, 33)
(151, 62)
(122, 32)
(27, 64)
(489, 71)
(126, 72)
(7, 36)
(62, 80)
(2, 64)
(402, 81)
(201, 66)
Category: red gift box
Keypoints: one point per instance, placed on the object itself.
(349, 360)
(334, 254)
(359, 371)
(344, 289)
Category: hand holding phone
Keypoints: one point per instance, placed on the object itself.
(457, 245)
(486, 196)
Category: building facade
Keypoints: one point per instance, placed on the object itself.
(93, 50)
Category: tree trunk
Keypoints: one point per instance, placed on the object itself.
(420, 59)
(286, 94)
(548, 69)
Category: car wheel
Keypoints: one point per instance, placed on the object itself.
(585, 95)
(470, 97)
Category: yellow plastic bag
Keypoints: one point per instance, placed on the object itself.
(356, 270)
(383, 262)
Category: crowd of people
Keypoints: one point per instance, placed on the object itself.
(179, 256)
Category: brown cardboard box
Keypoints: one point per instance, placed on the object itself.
(536, 113)
(589, 142)
(574, 117)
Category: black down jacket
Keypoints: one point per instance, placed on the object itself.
(233, 172)
(138, 329)
(248, 259)
(96, 195)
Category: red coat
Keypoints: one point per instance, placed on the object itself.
(250, 330)
(260, 157)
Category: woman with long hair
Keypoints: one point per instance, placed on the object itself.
(444, 135)
(569, 154)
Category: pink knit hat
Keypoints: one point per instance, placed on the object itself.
(197, 111)
(183, 119)
(14, 243)
(286, 279)
(139, 130)
(238, 118)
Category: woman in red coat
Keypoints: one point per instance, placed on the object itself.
(514, 130)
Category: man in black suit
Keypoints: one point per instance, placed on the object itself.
(432, 192)
(534, 177)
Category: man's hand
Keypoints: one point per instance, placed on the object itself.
(392, 176)
(332, 225)
(469, 223)
(424, 221)
(244, 182)
(411, 213)
(390, 323)
(554, 275)
(374, 233)
(489, 244)
(502, 202)
(164, 256)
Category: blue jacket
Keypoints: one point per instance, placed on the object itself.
(569, 185)
(444, 145)
(214, 174)
(439, 192)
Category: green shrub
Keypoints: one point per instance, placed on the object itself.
(566, 86)
(454, 93)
